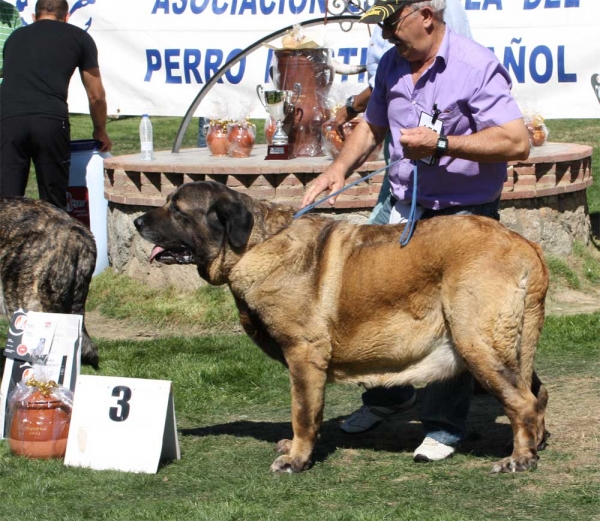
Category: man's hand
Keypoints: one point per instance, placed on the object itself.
(327, 180)
(361, 100)
(355, 151)
(102, 137)
(419, 142)
(342, 116)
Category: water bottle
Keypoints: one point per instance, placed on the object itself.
(146, 138)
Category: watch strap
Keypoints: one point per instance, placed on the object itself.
(441, 148)
(350, 106)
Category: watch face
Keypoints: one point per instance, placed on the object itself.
(441, 146)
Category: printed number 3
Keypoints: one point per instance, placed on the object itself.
(124, 394)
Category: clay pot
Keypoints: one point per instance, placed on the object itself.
(241, 139)
(333, 141)
(216, 139)
(538, 136)
(39, 427)
(270, 128)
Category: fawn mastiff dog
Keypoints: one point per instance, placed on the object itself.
(46, 262)
(338, 302)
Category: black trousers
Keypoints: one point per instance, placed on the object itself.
(46, 141)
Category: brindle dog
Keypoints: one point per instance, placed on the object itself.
(338, 302)
(46, 262)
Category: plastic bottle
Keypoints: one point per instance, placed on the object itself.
(146, 138)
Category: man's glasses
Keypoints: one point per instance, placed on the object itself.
(390, 25)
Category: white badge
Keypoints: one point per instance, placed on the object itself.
(426, 120)
(123, 424)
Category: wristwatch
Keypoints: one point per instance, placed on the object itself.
(441, 147)
(350, 107)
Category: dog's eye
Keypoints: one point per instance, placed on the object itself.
(177, 212)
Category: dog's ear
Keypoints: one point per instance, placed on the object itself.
(236, 219)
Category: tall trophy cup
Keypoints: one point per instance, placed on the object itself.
(279, 103)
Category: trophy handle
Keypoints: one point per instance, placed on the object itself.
(298, 91)
(261, 95)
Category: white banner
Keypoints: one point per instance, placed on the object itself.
(156, 55)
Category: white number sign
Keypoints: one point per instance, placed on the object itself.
(123, 424)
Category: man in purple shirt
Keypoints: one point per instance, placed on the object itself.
(435, 78)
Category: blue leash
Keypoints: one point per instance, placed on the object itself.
(317, 203)
(410, 225)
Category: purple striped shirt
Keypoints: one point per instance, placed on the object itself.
(472, 89)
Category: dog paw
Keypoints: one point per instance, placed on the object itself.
(90, 357)
(283, 446)
(516, 464)
(544, 443)
(288, 465)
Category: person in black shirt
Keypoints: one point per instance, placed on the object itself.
(39, 61)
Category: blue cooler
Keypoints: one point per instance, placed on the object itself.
(85, 195)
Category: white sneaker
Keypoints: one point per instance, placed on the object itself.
(432, 450)
(369, 416)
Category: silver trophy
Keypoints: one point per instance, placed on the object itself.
(279, 103)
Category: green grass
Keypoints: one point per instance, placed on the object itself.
(590, 263)
(561, 273)
(584, 132)
(232, 405)
(124, 132)
(578, 271)
(119, 296)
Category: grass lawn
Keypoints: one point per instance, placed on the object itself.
(232, 406)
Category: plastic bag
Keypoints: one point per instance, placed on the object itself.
(240, 133)
(538, 131)
(334, 137)
(241, 136)
(39, 416)
(299, 37)
(216, 130)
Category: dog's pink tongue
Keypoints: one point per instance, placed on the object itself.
(155, 251)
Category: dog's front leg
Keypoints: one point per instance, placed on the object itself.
(308, 392)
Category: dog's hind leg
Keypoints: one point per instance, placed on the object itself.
(505, 382)
(308, 394)
(81, 277)
(540, 392)
(89, 351)
(497, 343)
